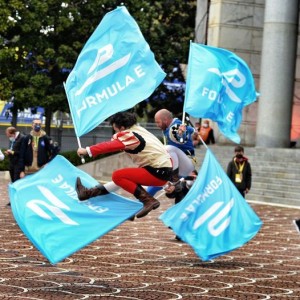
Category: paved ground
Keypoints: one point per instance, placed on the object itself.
(142, 260)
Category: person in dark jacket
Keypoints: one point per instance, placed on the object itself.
(239, 171)
(13, 152)
(37, 149)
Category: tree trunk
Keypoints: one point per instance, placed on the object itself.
(48, 115)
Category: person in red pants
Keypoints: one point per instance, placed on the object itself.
(154, 165)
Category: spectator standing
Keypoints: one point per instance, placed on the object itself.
(239, 171)
(37, 149)
(13, 153)
(206, 133)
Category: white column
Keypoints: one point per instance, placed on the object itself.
(277, 73)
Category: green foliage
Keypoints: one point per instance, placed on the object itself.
(72, 157)
(4, 165)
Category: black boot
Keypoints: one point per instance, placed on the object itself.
(85, 193)
(176, 180)
(175, 176)
(148, 201)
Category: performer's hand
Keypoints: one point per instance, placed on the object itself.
(81, 152)
(169, 188)
(181, 129)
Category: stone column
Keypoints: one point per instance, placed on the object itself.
(277, 73)
(201, 21)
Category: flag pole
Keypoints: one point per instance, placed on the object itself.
(79, 145)
(77, 137)
(188, 119)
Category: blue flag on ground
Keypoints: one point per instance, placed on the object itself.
(213, 218)
(46, 207)
(219, 85)
(115, 70)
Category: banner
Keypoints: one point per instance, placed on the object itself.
(219, 85)
(46, 207)
(115, 70)
(213, 218)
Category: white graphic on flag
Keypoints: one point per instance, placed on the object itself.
(234, 77)
(217, 219)
(56, 208)
(100, 59)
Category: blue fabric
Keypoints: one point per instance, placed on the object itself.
(115, 70)
(46, 207)
(186, 144)
(152, 190)
(219, 85)
(213, 218)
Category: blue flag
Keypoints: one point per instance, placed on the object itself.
(115, 70)
(219, 85)
(213, 218)
(46, 207)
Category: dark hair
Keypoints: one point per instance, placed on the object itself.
(11, 130)
(125, 119)
(239, 149)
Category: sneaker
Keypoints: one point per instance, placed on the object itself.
(297, 224)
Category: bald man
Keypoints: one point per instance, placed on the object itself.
(179, 144)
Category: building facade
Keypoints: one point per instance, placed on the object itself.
(265, 34)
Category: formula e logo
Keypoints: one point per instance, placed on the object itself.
(215, 227)
(56, 207)
(233, 77)
(104, 54)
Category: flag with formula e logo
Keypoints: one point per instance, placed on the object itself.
(213, 218)
(46, 208)
(115, 70)
(219, 85)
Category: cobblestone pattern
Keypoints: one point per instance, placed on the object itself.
(142, 260)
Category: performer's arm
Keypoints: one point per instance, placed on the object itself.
(105, 147)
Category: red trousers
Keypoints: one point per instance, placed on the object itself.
(129, 178)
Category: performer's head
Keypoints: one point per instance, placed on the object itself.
(123, 120)
(163, 118)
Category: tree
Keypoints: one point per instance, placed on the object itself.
(41, 40)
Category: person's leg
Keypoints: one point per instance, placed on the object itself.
(87, 193)
(132, 179)
(180, 161)
(11, 173)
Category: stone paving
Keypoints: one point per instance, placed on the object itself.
(143, 260)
